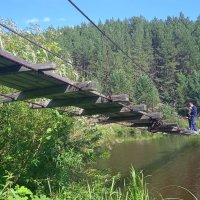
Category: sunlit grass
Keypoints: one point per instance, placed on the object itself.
(135, 189)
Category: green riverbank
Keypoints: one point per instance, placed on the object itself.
(46, 154)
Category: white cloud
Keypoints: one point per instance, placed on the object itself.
(62, 19)
(46, 19)
(32, 20)
(37, 20)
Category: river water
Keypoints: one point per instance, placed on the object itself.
(172, 163)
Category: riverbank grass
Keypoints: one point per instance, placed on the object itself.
(117, 134)
(136, 189)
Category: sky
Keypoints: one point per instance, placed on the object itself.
(59, 13)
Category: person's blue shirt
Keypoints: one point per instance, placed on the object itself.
(193, 111)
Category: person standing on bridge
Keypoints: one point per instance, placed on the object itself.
(188, 116)
(192, 117)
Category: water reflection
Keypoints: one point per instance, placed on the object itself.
(172, 161)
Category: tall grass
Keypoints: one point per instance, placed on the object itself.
(135, 189)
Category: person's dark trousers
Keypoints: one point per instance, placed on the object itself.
(193, 124)
(189, 122)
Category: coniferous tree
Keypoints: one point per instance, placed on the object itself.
(146, 92)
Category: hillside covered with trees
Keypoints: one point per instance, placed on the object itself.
(165, 57)
(50, 154)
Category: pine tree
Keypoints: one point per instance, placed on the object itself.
(146, 92)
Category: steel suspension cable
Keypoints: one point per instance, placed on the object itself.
(40, 46)
(101, 31)
(56, 55)
(107, 37)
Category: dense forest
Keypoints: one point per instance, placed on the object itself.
(50, 155)
(165, 57)
(47, 154)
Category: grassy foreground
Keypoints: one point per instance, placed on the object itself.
(135, 190)
(46, 154)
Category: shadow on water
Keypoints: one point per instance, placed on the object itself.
(172, 160)
(169, 156)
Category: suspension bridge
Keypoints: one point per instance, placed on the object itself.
(33, 81)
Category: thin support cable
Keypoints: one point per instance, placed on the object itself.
(40, 46)
(56, 55)
(101, 31)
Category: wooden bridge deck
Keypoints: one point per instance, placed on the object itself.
(39, 81)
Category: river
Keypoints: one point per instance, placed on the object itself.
(172, 164)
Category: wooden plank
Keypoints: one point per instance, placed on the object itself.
(171, 131)
(102, 100)
(18, 68)
(18, 61)
(152, 115)
(166, 128)
(130, 110)
(41, 78)
(169, 125)
(142, 124)
(135, 108)
(71, 94)
(35, 80)
(123, 114)
(113, 107)
(102, 105)
(56, 77)
(144, 115)
(116, 111)
(132, 119)
(5, 62)
(140, 117)
(30, 79)
(12, 69)
(5, 99)
(22, 82)
(48, 91)
(12, 85)
(86, 86)
(44, 66)
(81, 102)
(78, 102)
(35, 67)
(27, 81)
(136, 120)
